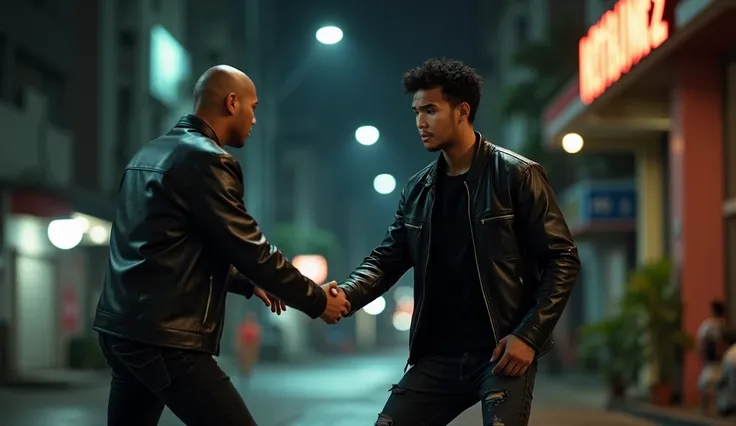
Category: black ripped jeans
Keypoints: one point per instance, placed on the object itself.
(438, 389)
(146, 378)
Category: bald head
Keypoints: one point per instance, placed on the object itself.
(216, 84)
(225, 98)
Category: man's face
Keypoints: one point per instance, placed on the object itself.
(243, 117)
(436, 118)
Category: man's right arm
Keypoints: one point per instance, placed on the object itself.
(211, 190)
(382, 268)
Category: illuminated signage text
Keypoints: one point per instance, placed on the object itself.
(617, 42)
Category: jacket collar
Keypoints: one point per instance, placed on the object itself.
(195, 123)
(480, 159)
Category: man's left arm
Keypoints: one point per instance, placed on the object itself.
(544, 228)
(240, 284)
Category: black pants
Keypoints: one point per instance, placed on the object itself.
(146, 378)
(438, 389)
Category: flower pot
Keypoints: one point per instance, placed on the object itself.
(660, 394)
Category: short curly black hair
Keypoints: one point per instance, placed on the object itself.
(459, 82)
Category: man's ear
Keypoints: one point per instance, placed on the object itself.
(231, 103)
(464, 111)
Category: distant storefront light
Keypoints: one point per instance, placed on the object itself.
(312, 266)
(65, 234)
(617, 42)
(375, 307)
(402, 321)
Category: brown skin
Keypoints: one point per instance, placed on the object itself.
(444, 127)
(225, 98)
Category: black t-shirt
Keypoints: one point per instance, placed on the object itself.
(457, 320)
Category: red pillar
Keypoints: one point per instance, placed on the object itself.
(696, 196)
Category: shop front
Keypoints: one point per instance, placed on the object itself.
(52, 257)
(657, 78)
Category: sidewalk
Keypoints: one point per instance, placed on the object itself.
(592, 392)
(675, 416)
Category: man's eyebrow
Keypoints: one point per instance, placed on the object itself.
(424, 106)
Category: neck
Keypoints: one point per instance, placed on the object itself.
(459, 155)
(216, 126)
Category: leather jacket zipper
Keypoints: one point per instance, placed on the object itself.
(209, 300)
(491, 219)
(424, 282)
(477, 267)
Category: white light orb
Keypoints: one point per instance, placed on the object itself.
(329, 35)
(375, 307)
(65, 234)
(367, 135)
(98, 234)
(572, 143)
(384, 183)
(402, 321)
(312, 266)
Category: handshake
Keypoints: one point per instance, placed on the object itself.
(338, 304)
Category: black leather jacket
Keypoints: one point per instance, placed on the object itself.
(179, 238)
(526, 260)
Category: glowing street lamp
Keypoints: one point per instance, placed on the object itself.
(572, 143)
(384, 183)
(329, 35)
(367, 135)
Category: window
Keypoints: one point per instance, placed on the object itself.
(126, 52)
(33, 74)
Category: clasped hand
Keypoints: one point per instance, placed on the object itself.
(337, 303)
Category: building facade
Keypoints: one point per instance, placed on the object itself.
(76, 101)
(656, 79)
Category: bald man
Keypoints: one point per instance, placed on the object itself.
(181, 240)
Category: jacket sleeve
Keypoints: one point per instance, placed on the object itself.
(545, 229)
(212, 193)
(382, 268)
(240, 284)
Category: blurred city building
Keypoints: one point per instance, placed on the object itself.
(80, 90)
(664, 93)
(506, 28)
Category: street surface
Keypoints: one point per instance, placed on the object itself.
(345, 391)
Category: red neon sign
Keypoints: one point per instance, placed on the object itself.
(617, 42)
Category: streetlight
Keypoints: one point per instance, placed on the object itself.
(572, 143)
(329, 35)
(367, 135)
(384, 183)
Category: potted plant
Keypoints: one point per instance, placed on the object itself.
(613, 347)
(653, 297)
